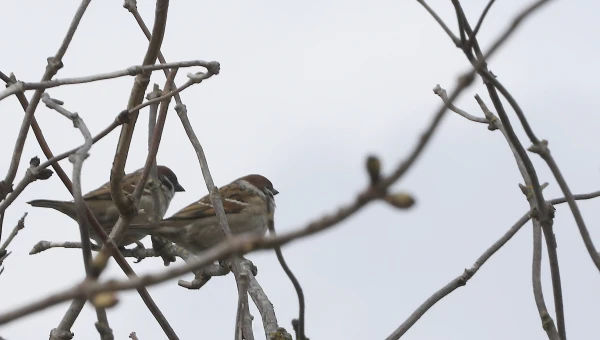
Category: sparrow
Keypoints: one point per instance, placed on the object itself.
(101, 204)
(248, 203)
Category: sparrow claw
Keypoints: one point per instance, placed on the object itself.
(198, 282)
(159, 244)
(139, 252)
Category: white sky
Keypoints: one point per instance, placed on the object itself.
(306, 91)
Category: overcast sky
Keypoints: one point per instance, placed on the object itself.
(306, 91)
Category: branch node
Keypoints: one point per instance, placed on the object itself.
(540, 148)
(130, 5)
(61, 334)
(181, 109)
(295, 325)
(38, 174)
(11, 79)
(34, 161)
(5, 189)
(123, 117)
(374, 169)
(54, 64)
(214, 67)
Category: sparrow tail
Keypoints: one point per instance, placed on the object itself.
(67, 208)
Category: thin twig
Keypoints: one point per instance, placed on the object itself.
(439, 20)
(32, 174)
(300, 335)
(156, 92)
(479, 23)
(444, 96)
(21, 86)
(536, 269)
(20, 225)
(3, 253)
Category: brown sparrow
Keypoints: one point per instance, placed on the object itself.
(101, 204)
(248, 204)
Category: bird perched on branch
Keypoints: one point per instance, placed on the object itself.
(248, 203)
(105, 211)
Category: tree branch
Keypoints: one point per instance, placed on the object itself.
(20, 86)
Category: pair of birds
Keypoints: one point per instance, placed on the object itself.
(248, 202)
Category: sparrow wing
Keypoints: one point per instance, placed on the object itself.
(234, 198)
(128, 185)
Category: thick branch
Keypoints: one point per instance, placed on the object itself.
(234, 245)
(123, 204)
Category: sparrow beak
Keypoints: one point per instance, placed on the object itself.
(178, 188)
(274, 191)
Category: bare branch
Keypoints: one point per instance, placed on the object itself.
(32, 174)
(77, 159)
(547, 322)
(20, 225)
(300, 335)
(479, 23)
(20, 86)
(265, 308)
(243, 323)
(439, 20)
(122, 203)
(462, 279)
(444, 95)
(156, 92)
(535, 197)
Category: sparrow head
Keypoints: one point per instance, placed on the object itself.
(261, 183)
(168, 178)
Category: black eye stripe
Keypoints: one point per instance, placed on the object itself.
(166, 182)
